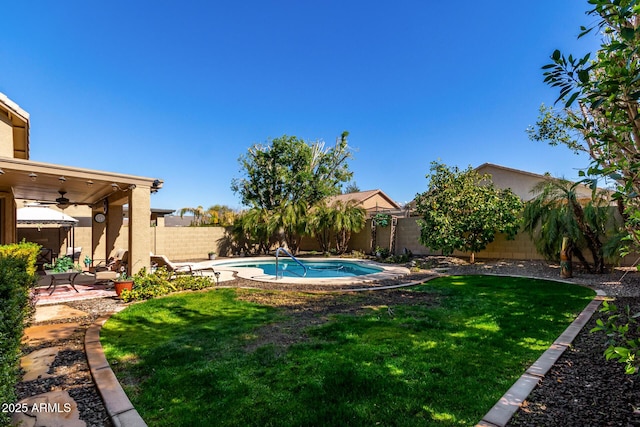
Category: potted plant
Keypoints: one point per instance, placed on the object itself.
(212, 255)
(87, 261)
(61, 265)
(123, 281)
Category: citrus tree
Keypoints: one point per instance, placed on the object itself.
(462, 210)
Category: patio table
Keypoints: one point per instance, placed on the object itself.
(67, 277)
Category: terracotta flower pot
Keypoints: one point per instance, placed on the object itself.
(120, 286)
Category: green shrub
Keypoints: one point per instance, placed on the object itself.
(623, 336)
(358, 254)
(17, 278)
(150, 285)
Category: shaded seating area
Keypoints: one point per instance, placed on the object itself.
(159, 261)
(57, 278)
(107, 271)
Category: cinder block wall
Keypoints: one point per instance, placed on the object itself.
(187, 243)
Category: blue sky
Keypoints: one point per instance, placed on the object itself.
(179, 90)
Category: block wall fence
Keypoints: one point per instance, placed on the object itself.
(194, 243)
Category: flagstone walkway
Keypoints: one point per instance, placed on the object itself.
(54, 407)
(57, 388)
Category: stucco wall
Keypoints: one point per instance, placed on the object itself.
(6, 137)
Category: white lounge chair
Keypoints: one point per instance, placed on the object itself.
(158, 261)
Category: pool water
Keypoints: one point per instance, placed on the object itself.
(315, 269)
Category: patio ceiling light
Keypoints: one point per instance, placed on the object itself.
(1, 172)
(33, 176)
(62, 179)
(89, 183)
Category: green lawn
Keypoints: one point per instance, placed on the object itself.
(437, 354)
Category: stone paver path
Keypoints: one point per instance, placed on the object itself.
(53, 408)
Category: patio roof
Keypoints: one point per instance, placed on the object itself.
(31, 180)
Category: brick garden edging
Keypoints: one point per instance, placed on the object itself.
(116, 402)
(510, 402)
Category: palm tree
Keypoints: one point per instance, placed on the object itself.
(321, 225)
(200, 217)
(346, 218)
(256, 229)
(290, 219)
(556, 213)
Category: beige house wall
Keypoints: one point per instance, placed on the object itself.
(377, 201)
(6, 137)
(521, 182)
(362, 241)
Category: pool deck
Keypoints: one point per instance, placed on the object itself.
(390, 271)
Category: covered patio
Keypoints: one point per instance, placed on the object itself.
(101, 194)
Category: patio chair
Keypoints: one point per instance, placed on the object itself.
(43, 258)
(74, 253)
(107, 271)
(119, 259)
(158, 261)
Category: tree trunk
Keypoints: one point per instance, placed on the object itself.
(566, 270)
(472, 258)
(593, 243)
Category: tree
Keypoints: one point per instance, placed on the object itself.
(220, 215)
(287, 176)
(290, 169)
(462, 210)
(338, 220)
(252, 230)
(199, 215)
(599, 94)
(321, 225)
(346, 218)
(292, 221)
(352, 187)
(556, 213)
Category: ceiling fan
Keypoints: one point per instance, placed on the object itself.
(61, 202)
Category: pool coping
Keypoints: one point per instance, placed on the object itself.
(390, 271)
(122, 413)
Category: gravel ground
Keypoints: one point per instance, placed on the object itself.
(582, 389)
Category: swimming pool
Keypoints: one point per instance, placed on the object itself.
(318, 270)
(314, 269)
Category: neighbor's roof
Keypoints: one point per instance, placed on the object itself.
(517, 171)
(362, 196)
